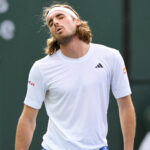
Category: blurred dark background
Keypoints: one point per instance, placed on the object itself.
(121, 24)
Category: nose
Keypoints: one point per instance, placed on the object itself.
(55, 21)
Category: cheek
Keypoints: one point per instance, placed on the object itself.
(51, 30)
(71, 26)
(69, 23)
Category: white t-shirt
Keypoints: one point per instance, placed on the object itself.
(76, 96)
(145, 145)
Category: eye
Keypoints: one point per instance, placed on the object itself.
(50, 23)
(61, 17)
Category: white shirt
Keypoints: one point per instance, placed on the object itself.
(76, 96)
(145, 145)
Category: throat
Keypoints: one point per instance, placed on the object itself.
(66, 40)
(75, 49)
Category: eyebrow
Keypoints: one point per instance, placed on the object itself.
(58, 15)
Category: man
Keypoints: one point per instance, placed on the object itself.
(74, 81)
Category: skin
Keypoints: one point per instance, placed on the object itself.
(127, 120)
(25, 128)
(63, 27)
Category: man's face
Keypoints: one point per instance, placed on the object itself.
(62, 25)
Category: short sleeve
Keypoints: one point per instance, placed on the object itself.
(36, 88)
(120, 82)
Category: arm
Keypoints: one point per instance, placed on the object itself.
(25, 128)
(127, 120)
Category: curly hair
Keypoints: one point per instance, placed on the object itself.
(83, 31)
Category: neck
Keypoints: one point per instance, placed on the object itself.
(74, 48)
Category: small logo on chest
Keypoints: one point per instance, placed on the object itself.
(99, 65)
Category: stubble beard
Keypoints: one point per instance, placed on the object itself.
(66, 39)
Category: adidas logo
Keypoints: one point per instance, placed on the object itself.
(99, 65)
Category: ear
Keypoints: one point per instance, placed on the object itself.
(78, 22)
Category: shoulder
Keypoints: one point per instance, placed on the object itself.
(42, 60)
(47, 59)
(105, 52)
(99, 48)
(46, 63)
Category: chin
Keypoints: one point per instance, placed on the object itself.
(64, 38)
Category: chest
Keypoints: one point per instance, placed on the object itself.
(64, 78)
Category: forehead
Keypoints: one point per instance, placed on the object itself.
(55, 13)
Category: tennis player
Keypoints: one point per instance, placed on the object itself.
(74, 81)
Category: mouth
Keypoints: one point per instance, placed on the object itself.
(59, 29)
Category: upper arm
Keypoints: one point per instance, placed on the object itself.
(125, 102)
(29, 114)
(36, 89)
(119, 78)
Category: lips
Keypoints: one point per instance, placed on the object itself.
(58, 29)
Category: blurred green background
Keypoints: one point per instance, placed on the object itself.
(22, 41)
